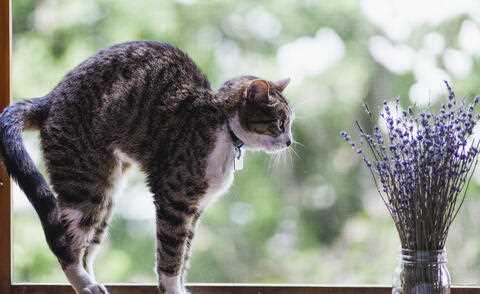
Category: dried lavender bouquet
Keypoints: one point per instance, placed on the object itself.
(421, 165)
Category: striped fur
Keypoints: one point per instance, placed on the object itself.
(140, 102)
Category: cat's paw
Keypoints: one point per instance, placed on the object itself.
(94, 289)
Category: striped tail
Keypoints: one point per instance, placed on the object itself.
(13, 120)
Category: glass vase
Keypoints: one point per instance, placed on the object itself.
(422, 272)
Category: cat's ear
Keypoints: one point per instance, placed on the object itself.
(282, 84)
(257, 91)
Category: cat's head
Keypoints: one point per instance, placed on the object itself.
(263, 118)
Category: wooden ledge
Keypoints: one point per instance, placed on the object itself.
(226, 289)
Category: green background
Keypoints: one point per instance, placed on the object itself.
(309, 217)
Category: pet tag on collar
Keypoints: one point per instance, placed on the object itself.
(238, 161)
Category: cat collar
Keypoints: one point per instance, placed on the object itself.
(237, 143)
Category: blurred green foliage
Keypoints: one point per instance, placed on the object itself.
(310, 217)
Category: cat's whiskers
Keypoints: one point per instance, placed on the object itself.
(273, 162)
(288, 158)
(295, 142)
(292, 150)
(278, 159)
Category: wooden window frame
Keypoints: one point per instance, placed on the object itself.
(6, 285)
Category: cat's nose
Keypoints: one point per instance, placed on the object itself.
(289, 142)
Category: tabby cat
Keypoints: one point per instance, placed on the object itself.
(147, 103)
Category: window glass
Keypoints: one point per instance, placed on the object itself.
(308, 216)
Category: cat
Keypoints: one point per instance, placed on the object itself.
(142, 102)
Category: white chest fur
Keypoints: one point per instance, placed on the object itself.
(219, 171)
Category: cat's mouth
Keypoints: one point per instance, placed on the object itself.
(274, 151)
(268, 147)
(275, 147)
(268, 144)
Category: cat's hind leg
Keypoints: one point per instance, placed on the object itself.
(106, 206)
(82, 222)
(83, 205)
(88, 222)
(93, 246)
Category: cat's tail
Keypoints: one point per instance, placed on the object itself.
(13, 120)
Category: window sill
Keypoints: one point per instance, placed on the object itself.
(24, 288)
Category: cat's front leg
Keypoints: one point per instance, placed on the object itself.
(174, 226)
(188, 249)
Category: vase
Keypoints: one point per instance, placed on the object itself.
(422, 272)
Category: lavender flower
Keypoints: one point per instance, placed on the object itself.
(420, 167)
